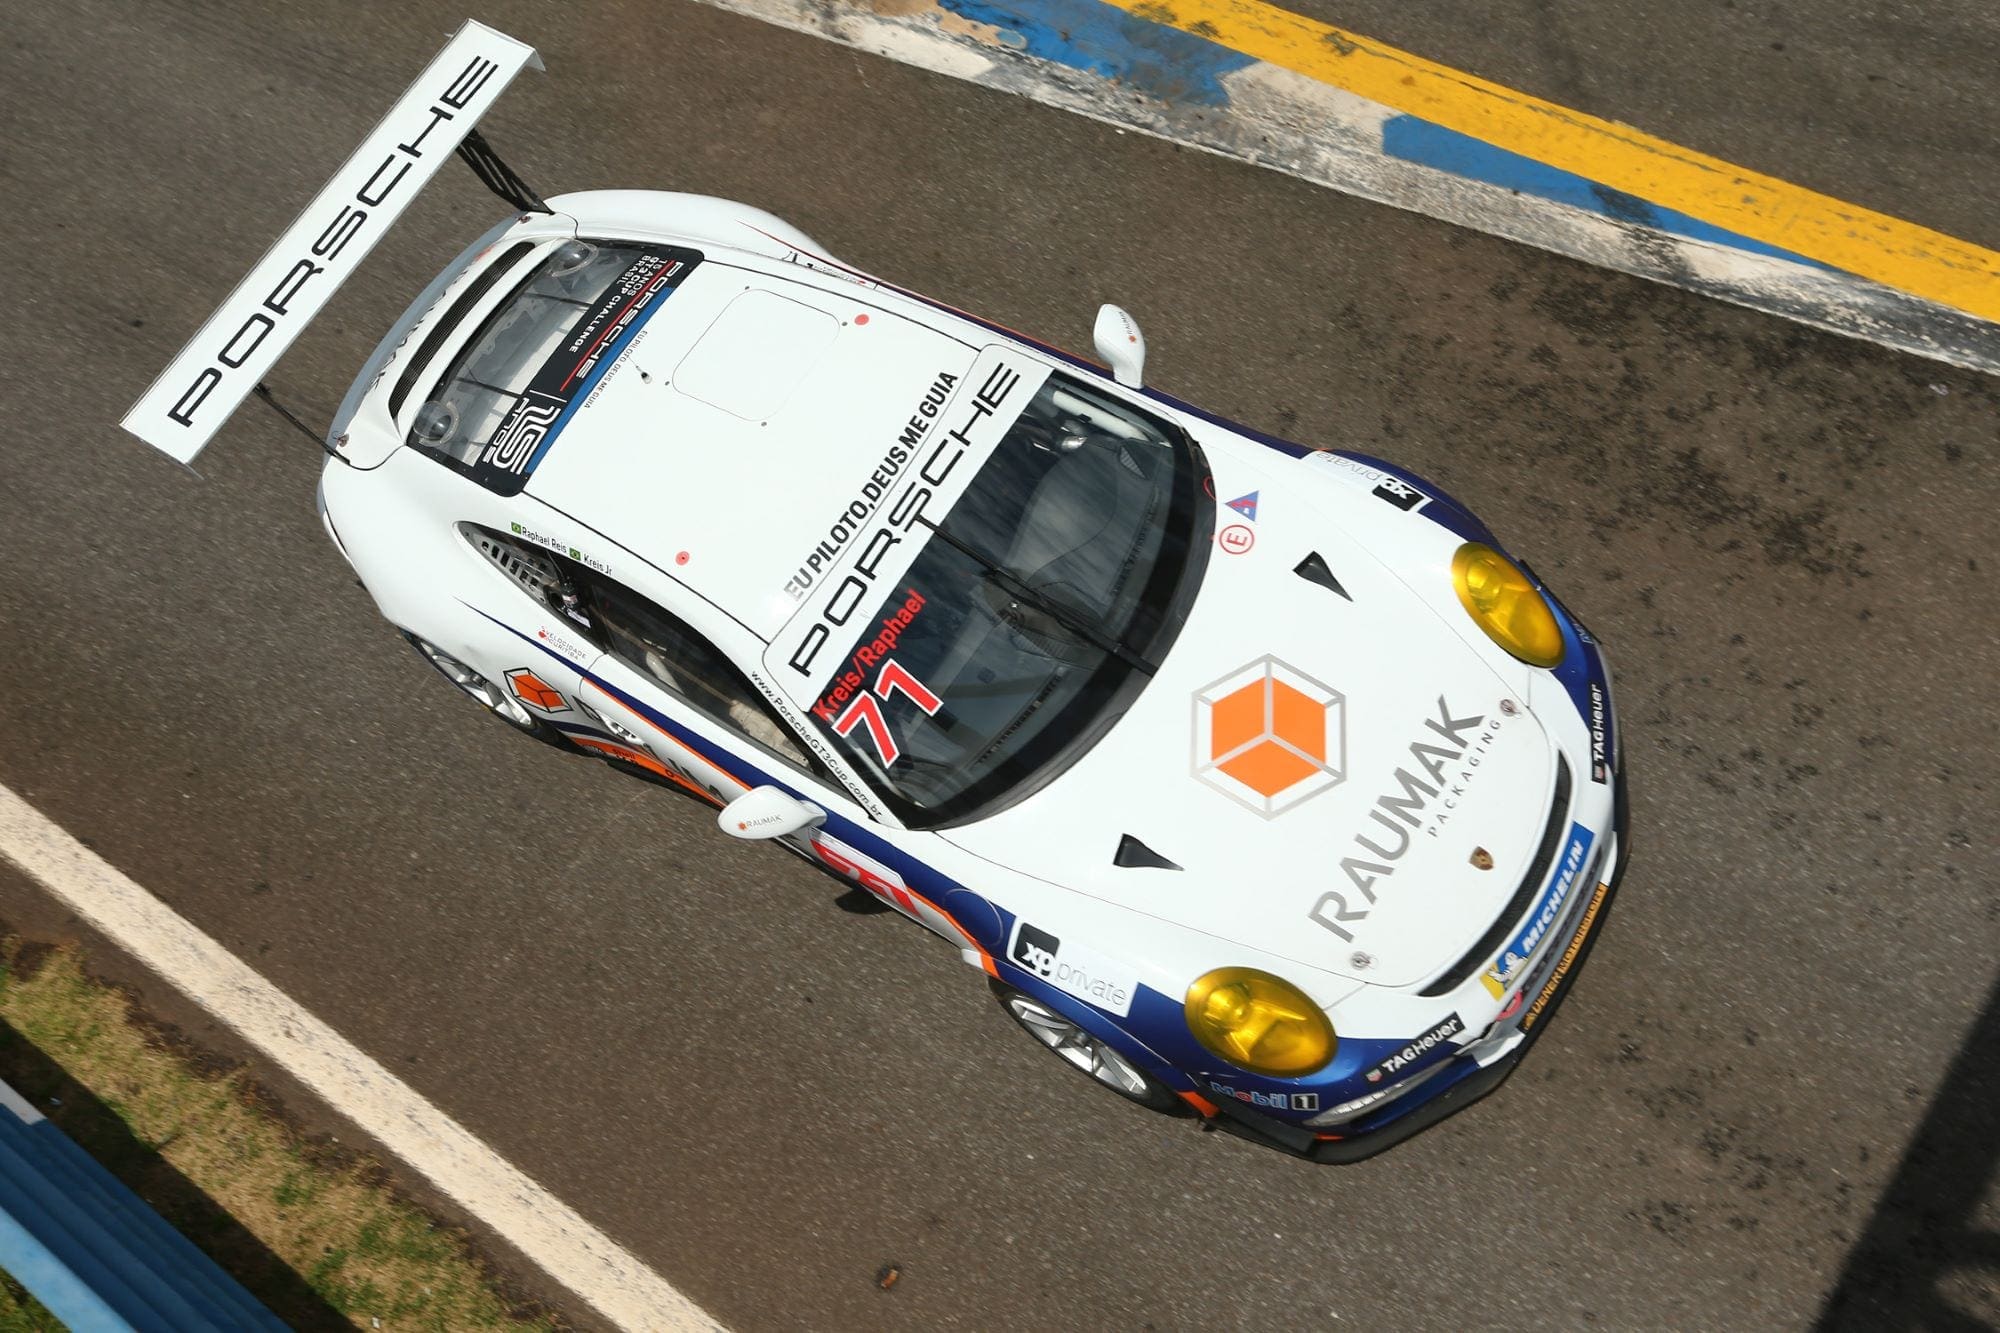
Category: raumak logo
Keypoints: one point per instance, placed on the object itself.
(1430, 1041)
(1599, 759)
(535, 692)
(1276, 1101)
(1448, 755)
(1073, 969)
(1268, 736)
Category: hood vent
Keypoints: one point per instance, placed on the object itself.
(1313, 570)
(533, 570)
(1136, 855)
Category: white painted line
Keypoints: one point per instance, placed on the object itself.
(544, 1228)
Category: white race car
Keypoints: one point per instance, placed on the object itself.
(1261, 784)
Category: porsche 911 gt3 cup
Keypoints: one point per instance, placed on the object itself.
(1258, 780)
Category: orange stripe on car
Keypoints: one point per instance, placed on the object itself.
(645, 761)
(668, 735)
(985, 959)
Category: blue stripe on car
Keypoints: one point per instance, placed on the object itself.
(597, 373)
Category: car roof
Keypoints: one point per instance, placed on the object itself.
(754, 424)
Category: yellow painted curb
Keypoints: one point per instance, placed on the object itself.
(1844, 236)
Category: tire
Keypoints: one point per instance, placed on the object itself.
(1085, 1053)
(489, 696)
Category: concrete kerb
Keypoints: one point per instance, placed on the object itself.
(1206, 96)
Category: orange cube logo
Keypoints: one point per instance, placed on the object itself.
(535, 692)
(1269, 736)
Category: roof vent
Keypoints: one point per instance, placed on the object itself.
(1136, 855)
(756, 354)
(1313, 570)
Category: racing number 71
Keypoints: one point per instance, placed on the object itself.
(864, 710)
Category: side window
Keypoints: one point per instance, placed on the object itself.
(541, 574)
(648, 639)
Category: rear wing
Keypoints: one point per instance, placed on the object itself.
(223, 362)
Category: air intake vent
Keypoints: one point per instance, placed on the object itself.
(1136, 855)
(1313, 570)
(533, 570)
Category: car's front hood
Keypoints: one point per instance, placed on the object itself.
(1340, 779)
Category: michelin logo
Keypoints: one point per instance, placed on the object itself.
(1073, 969)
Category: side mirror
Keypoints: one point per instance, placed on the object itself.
(1121, 344)
(766, 812)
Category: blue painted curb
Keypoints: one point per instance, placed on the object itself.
(1089, 35)
(1415, 140)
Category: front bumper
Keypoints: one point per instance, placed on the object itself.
(1454, 1094)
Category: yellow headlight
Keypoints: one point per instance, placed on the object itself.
(1259, 1022)
(1498, 595)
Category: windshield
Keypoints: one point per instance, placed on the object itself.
(1035, 611)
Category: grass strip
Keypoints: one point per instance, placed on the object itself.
(315, 1231)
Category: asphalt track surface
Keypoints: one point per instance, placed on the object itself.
(1884, 103)
(1767, 1100)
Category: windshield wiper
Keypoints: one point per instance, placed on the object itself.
(1021, 592)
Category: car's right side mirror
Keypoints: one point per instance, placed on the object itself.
(1121, 344)
(767, 812)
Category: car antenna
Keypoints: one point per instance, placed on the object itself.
(496, 175)
(263, 391)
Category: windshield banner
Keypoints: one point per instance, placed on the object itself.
(863, 600)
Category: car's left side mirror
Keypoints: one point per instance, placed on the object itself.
(1121, 344)
(766, 812)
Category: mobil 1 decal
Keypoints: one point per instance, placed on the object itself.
(586, 357)
(852, 593)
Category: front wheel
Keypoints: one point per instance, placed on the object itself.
(488, 695)
(1085, 1052)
